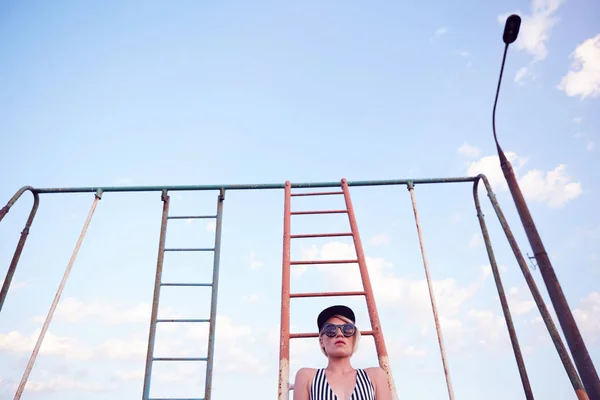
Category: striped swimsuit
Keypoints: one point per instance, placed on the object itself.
(320, 389)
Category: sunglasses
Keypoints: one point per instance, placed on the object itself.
(331, 329)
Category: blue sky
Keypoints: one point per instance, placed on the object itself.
(144, 93)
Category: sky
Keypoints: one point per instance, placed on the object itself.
(188, 93)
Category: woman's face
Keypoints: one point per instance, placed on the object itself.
(339, 345)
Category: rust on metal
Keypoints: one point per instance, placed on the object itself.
(21, 244)
(284, 342)
(380, 346)
(316, 335)
(316, 193)
(316, 262)
(328, 294)
(61, 287)
(320, 235)
(504, 303)
(316, 212)
(537, 297)
(575, 341)
(156, 296)
(431, 294)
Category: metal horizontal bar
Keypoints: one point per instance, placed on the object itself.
(316, 262)
(316, 193)
(319, 212)
(179, 359)
(94, 189)
(317, 235)
(187, 284)
(191, 249)
(312, 335)
(183, 320)
(327, 294)
(176, 398)
(192, 216)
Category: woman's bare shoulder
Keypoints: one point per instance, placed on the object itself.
(304, 376)
(375, 373)
(306, 372)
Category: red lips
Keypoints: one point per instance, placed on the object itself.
(339, 341)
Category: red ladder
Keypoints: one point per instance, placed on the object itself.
(376, 332)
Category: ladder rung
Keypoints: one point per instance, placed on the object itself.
(183, 320)
(186, 284)
(327, 294)
(316, 193)
(317, 235)
(323, 262)
(180, 359)
(319, 212)
(191, 216)
(312, 335)
(191, 249)
(177, 398)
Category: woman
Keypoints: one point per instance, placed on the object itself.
(338, 339)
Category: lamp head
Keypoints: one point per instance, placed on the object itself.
(511, 29)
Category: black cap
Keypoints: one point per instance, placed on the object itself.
(335, 310)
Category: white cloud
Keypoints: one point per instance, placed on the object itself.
(535, 30)
(476, 241)
(520, 302)
(521, 73)
(211, 226)
(439, 33)
(490, 167)
(587, 316)
(583, 78)
(554, 188)
(52, 345)
(463, 53)
(379, 240)
(255, 264)
(469, 151)
(411, 294)
(252, 298)
(62, 384)
(136, 375)
(72, 310)
(590, 146)
(577, 120)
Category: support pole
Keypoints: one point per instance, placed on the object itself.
(431, 294)
(61, 287)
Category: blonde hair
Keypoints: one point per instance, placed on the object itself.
(356, 335)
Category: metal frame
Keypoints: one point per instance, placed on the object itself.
(579, 390)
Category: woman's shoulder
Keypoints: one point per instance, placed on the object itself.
(375, 373)
(304, 376)
(306, 372)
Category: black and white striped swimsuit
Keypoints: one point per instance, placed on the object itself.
(320, 389)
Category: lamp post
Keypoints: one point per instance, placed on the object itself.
(580, 354)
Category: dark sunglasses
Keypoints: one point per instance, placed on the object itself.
(346, 329)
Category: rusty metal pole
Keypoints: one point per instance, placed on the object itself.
(61, 287)
(17, 255)
(575, 341)
(156, 298)
(284, 341)
(438, 328)
(535, 293)
(502, 296)
(382, 353)
(214, 297)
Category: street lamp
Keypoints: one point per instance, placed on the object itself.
(580, 354)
